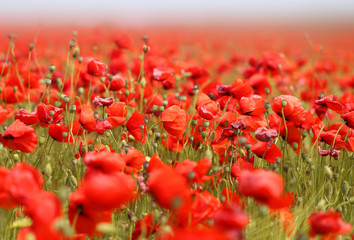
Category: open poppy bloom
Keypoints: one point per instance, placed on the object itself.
(137, 127)
(266, 187)
(117, 113)
(174, 120)
(328, 102)
(207, 108)
(270, 153)
(19, 136)
(328, 224)
(96, 68)
(45, 116)
(293, 110)
(349, 119)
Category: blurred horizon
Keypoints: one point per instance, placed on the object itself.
(183, 13)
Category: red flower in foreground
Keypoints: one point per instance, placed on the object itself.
(328, 224)
(96, 68)
(174, 120)
(266, 187)
(328, 102)
(19, 136)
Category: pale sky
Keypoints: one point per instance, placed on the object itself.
(144, 12)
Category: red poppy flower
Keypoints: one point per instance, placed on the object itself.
(194, 171)
(170, 189)
(328, 102)
(174, 121)
(124, 41)
(161, 75)
(23, 182)
(57, 131)
(155, 163)
(145, 227)
(6, 201)
(349, 119)
(328, 224)
(133, 159)
(137, 127)
(259, 82)
(44, 217)
(87, 118)
(27, 117)
(154, 99)
(293, 111)
(44, 114)
(266, 135)
(253, 122)
(102, 162)
(231, 219)
(270, 153)
(86, 215)
(102, 125)
(99, 102)
(264, 186)
(207, 108)
(117, 113)
(109, 191)
(253, 105)
(116, 83)
(19, 136)
(96, 68)
(3, 114)
(239, 166)
(204, 206)
(9, 95)
(238, 89)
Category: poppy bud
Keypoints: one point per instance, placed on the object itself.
(15, 88)
(266, 105)
(31, 46)
(126, 93)
(284, 103)
(16, 157)
(191, 138)
(73, 181)
(155, 108)
(242, 140)
(191, 175)
(51, 68)
(328, 172)
(204, 134)
(48, 169)
(222, 198)
(206, 124)
(64, 134)
(80, 59)
(76, 52)
(66, 99)
(146, 49)
(194, 122)
(41, 140)
(72, 108)
(142, 127)
(154, 145)
(91, 147)
(131, 138)
(295, 146)
(51, 112)
(263, 210)
(164, 103)
(143, 82)
(96, 115)
(72, 43)
(161, 108)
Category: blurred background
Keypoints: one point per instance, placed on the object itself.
(182, 12)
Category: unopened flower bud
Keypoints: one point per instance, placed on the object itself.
(284, 103)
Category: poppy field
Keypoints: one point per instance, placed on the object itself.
(170, 134)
